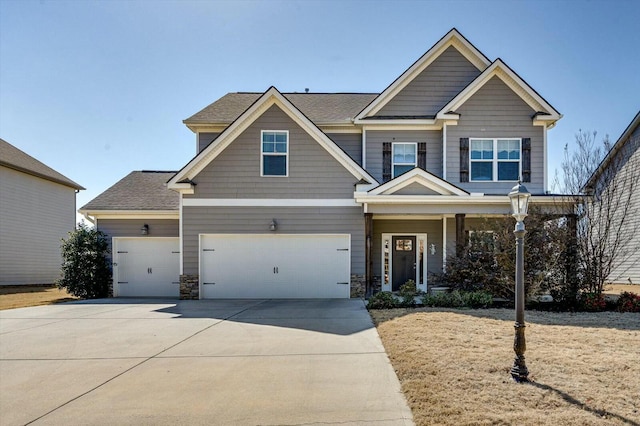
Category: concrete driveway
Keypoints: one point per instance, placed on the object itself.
(247, 362)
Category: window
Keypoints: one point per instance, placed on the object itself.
(404, 157)
(495, 160)
(274, 153)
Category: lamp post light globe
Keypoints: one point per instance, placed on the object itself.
(519, 197)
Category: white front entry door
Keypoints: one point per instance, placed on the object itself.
(278, 266)
(146, 267)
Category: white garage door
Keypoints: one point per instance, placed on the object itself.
(146, 267)
(275, 266)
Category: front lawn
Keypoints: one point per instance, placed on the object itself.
(454, 366)
(24, 295)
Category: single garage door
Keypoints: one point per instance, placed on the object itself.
(146, 267)
(275, 266)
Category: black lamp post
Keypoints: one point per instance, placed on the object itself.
(519, 197)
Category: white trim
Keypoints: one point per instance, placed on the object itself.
(269, 202)
(444, 243)
(269, 98)
(364, 197)
(545, 170)
(444, 151)
(436, 216)
(181, 241)
(424, 267)
(515, 83)
(132, 214)
(452, 38)
(421, 177)
(405, 124)
(495, 160)
(274, 154)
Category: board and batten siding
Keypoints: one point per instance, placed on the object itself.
(433, 229)
(131, 228)
(495, 111)
(256, 220)
(35, 215)
(375, 139)
(351, 143)
(204, 139)
(429, 91)
(235, 172)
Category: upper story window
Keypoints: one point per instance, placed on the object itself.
(404, 157)
(274, 156)
(495, 159)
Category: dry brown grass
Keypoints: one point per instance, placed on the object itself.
(454, 366)
(23, 296)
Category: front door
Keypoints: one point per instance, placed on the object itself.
(404, 260)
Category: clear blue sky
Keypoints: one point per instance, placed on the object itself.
(96, 89)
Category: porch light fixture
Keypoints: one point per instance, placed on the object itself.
(144, 230)
(273, 225)
(519, 197)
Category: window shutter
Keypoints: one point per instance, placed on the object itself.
(526, 159)
(464, 159)
(386, 161)
(422, 155)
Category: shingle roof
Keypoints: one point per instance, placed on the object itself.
(13, 158)
(139, 190)
(318, 107)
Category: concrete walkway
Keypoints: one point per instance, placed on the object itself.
(158, 362)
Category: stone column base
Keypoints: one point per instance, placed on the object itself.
(189, 287)
(358, 285)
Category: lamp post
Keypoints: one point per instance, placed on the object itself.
(519, 197)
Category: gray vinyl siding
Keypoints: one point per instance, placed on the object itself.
(433, 229)
(375, 139)
(35, 215)
(495, 111)
(204, 139)
(256, 220)
(131, 228)
(416, 189)
(235, 173)
(351, 143)
(626, 266)
(428, 92)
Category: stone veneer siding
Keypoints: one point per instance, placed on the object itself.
(358, 285)
(189, 287)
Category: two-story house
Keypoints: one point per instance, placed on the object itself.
(301, 195)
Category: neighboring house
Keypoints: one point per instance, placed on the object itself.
(322, 194)
(616, 183)
(37, 210)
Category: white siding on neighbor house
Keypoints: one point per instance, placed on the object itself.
(375, 139)
(443, 79)
(495, 111)
(235, 173)
(256, 220)
(35, 215)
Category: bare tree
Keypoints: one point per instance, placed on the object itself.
(600, 180)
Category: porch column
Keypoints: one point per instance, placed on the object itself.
(461, 238)
(368, 259)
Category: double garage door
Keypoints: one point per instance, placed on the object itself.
(146, 267)
(275, 266)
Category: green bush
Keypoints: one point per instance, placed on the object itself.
(383, 300)
(628, 302)
(86, 272)
(408, 291)
(459, 299)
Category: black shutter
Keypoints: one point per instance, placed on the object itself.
(422, 155)
(526, 159)
(464, 159)
(386, 161)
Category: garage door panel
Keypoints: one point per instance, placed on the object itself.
(146, 267)
(275, 266)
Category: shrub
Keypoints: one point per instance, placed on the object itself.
(592, 302)
(628, 302)
(408, 291)
(459, 299)
(383, 300)
(86, 272)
